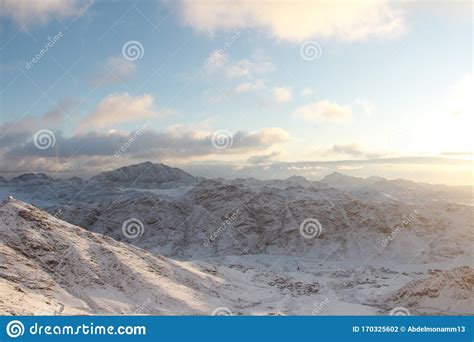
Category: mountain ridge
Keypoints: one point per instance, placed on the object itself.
(50, 263)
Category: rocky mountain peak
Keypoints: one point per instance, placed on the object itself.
(33, 178)
(146, 175)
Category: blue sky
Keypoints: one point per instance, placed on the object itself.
(389, 80)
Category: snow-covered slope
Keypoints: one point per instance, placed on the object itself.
(146, 176)
(360, 218)
(216, 218)
(401, 189)
(449, 292)
(51, 267)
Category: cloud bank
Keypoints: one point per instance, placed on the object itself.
(296, 21)
(26, 11)
(323, 111)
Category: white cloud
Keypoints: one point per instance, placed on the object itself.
(298, 20)
(216, 60)
(266, 94)
(24, 128)
(282, 94)
(173, 144)
(219, 61)
(119, 108)
(264, 158)
(323, 111)
(246, 87)
(26, 11)
(352, 150)
(268, 136)
(117, 69)
(306, 92)
(120, 66)
(249, 67)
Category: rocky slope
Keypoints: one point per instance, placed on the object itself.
(58, 268)
(146, 176)
(445, 292)
(247, 216)
(215, 218)
(49, 267)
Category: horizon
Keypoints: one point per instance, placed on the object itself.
(238, 90)
(88, 178)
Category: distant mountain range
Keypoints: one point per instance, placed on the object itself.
(181, 213)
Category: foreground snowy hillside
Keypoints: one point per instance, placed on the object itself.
(49, 266)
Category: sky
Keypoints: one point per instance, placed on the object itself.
(264, 89)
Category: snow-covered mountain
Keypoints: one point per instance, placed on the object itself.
(204, 218)
(60, 269)
(51, 267)
(146, 176)
(401, 189)
(352, 240)
(443, 292)
(293, 246)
